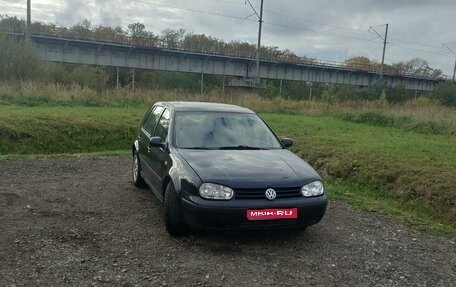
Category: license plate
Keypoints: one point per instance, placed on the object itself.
(269, 213)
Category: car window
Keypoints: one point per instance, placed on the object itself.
(163, 126)
(222, 130)
(152, 119)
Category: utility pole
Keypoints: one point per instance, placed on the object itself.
(28, 28)
(260, 21)
(384, 38)
(384, 49)
(454, 72)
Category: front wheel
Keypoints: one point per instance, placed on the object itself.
(173, 223)
(136, 172)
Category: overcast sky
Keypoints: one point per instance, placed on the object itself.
(330, 30)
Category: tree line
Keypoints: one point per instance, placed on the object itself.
(19, 62)
(136, 33)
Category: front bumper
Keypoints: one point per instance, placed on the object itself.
(232, 214)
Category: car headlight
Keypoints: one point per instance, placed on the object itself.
(216, 191)
(312, 189)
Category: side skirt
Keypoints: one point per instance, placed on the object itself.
(156, 192)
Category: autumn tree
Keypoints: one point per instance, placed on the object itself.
(12, 23)
(172, 38)
(108, 33)
(201, 42)
(137, 30)
(359, 62)
(417, 67)
(82, 29)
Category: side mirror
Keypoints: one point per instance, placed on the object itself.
(157, 142)
(287, 142)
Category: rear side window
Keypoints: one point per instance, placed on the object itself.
(163, 126)
(152, 119)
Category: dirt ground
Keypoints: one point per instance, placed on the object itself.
(81, 222)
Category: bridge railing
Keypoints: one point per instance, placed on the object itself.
(249, 55)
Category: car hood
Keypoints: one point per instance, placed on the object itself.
(250, 168)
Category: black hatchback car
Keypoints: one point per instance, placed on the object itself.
(220, 166)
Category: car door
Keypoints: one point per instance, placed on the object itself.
(157, 156)
(147, 130)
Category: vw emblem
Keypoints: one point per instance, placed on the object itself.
(270, 194)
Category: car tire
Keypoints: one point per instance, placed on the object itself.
(173, 222)
(136, 172)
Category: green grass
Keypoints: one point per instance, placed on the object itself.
(379, 167)
(404, 122)
(56, 130)
(374, 198)
(414, 167)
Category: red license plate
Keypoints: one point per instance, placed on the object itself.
(269, 213)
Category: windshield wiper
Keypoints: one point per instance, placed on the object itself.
(198, 147)
(242, 147)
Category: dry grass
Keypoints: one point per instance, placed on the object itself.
(421, 114)
(420, 107)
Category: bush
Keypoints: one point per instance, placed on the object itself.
(445, 93)
(18, 60)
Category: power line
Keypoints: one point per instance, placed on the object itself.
(194, 10)
(249, 20)
(414, 44)
(297, 18)
(418, 50)
(320, 32)
(338, 27)
(286, 26)
(315, 22)
(449, 49)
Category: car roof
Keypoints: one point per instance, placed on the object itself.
(205, 107)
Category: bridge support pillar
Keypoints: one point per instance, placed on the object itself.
(117, 78)
(280, 89)
(133, 80)
(202, 82)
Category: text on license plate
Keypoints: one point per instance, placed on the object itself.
(265, 214)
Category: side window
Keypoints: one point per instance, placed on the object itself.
(152, 119)
(163, 125)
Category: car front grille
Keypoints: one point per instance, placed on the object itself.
(260, 193)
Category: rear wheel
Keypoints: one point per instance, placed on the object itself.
(136, 172)
(173, 221)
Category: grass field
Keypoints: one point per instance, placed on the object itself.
(417, 170)
(377, 166)
(53, 130)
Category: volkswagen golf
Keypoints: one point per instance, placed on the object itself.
(220, 166)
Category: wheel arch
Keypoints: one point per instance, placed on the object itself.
(135, 147)
(174, 179)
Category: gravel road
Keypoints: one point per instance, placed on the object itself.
(81, 222)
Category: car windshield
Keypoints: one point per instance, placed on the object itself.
(211, 130)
